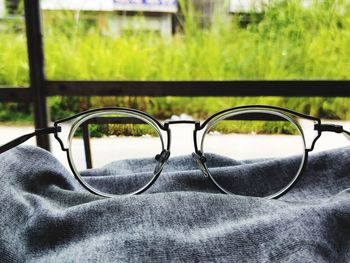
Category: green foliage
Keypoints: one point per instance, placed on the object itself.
(288, 41)
(16, 113)
(132, 130)
(13, 59)
(256, 127)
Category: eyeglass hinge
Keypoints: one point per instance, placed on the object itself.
(48, 130)
(329, 128)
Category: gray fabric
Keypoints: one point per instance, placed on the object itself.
(46, 216)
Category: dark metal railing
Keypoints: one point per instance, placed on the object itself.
(41, 88)
(285, 88)
(36, 68)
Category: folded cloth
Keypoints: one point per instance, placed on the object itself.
(47, 216)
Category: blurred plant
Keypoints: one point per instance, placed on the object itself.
(287, 41)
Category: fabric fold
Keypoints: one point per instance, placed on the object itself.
(47, 216)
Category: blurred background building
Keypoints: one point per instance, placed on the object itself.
(2, 9)
(116, 16)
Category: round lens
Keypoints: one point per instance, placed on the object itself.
(254, 153)
(115, 153)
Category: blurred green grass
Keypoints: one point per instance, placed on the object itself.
(287, 42)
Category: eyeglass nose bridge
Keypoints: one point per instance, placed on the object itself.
(196, 123)
(197, 155)
(197, 127)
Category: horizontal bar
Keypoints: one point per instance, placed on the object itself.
(12, 94)
(256, 117)
(181, 122)
(115, 120)
(182, 88)
(286, 88)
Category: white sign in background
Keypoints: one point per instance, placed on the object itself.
(168, 6)
(2, 9)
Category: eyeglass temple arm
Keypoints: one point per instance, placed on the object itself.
(332, 128)
(26, 137)
(347, 135)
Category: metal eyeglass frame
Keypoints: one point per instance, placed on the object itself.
(64, 136)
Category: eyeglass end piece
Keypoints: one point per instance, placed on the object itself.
(329, 128)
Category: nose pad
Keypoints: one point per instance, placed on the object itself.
(161, 158)
(200, 159)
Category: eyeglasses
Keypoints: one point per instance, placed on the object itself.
(236, 149)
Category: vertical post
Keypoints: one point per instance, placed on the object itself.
(36, 66)
(87, 146)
